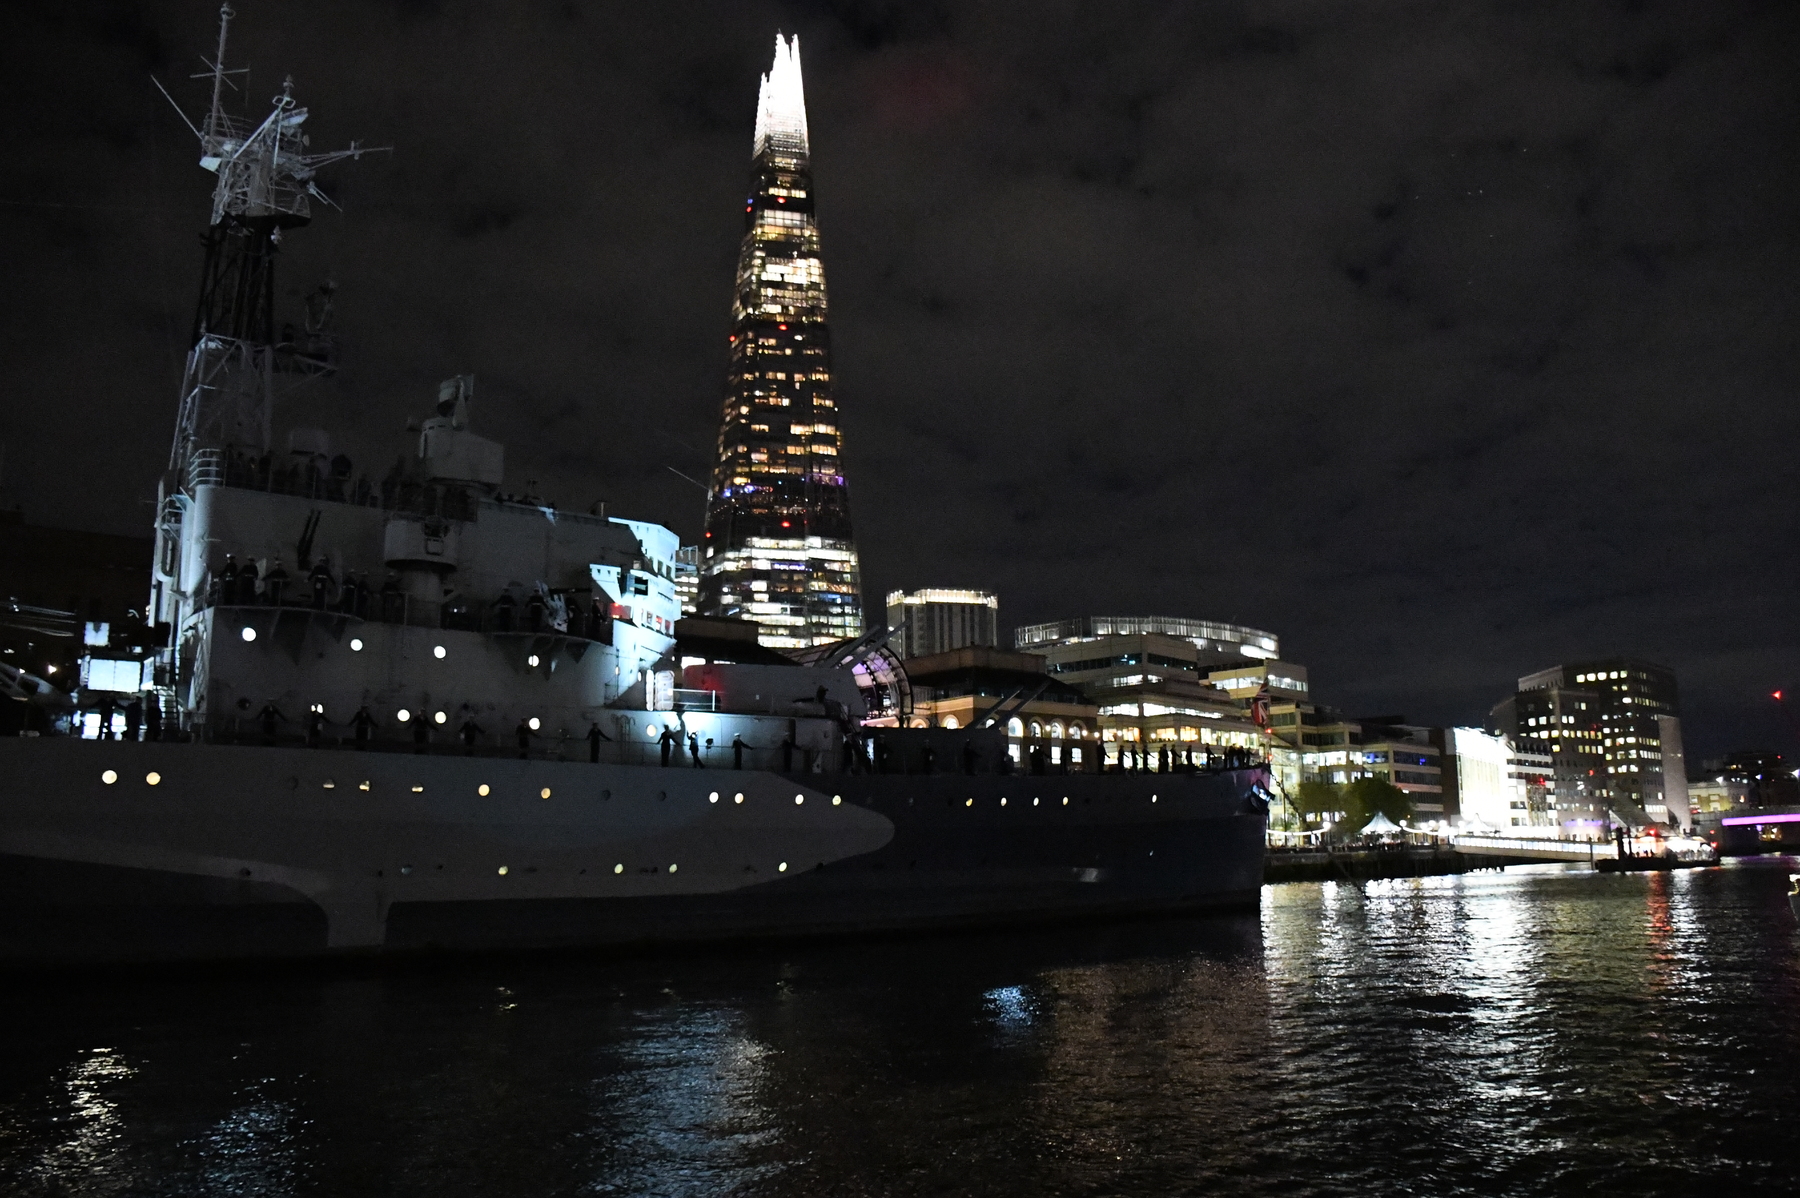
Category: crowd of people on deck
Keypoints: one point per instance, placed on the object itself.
(542, 611)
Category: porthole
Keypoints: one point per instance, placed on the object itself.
(737, 798)
(533, 724)
(403, 715)
(356, 644)
(437, 651)
(968, 802)
(418, 790)
(1034, 802)
(782, 868)
(544, 793)
(1153, 798)
(501, 871)
(650, 730)
(249, 634)
(1003, 800)
(532, 661)
(619, 868)
(482, 790)
(799, 799)
(671, 867)
(109, 776)
(1065, 800)
(439, 718)
(152, 777)
(713, 797)
(837, 800)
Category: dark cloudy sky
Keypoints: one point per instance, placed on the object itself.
(1446, 340)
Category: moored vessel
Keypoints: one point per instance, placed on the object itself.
(412, 711)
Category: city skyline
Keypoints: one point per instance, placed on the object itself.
(1433, 350)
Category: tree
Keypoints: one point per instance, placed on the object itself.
(1319, 802)
(1365, 797)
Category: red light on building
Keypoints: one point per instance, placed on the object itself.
(785, 524)
(1778, 696)
(782, 327)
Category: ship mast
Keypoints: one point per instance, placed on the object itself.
(266, 185)
(237, 362)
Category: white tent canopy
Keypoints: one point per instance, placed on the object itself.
(1381, 825)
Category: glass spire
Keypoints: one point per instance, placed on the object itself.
(778, 548)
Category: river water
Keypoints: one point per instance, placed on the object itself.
(1541, 1031)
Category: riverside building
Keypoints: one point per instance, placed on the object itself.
(1151, 678)
(1608, 726)
(969, 686)
(778, 548)
(1478, 780)
(937, 620)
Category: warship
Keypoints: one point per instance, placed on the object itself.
(424, 714)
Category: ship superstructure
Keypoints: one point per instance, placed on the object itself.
(416, 712)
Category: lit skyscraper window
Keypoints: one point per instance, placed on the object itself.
(778, 548)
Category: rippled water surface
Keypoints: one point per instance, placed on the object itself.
(1533, 1032)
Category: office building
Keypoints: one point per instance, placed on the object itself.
(687, 578)
(778, 548)
(937, 620)
(1335, 749)
(1215, 644)
(1478, 780)
(1605, 723)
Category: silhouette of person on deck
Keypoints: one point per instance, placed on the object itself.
(469, 732)
(363, 722)
(267, 717)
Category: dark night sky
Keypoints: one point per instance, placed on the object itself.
(1446, 340)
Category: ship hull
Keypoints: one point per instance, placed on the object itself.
(244, 852)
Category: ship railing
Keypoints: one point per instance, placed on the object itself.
(332, 482)
(206, 469)
(296, 593)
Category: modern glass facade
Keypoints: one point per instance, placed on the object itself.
(778, 547)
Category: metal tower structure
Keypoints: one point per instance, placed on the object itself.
(266, 184)
(778, 547)
(238, 362)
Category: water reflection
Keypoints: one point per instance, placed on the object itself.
(1519, 1033)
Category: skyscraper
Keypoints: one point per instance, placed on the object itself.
(935, 620)
(778, 548)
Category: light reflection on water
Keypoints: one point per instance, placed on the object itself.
(1526, 1033)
